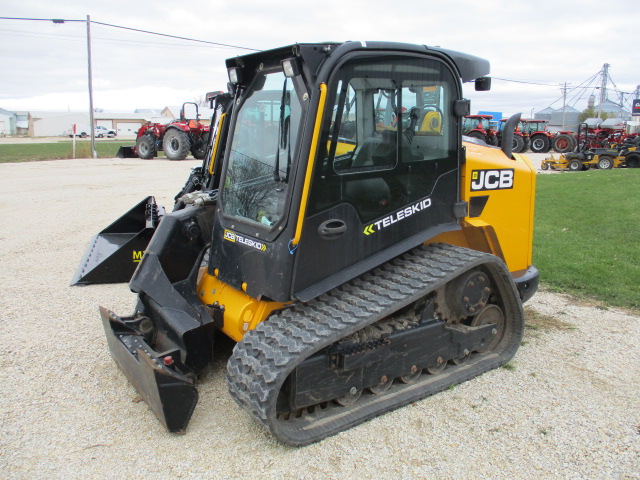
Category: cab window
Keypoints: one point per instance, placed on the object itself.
(389, 137)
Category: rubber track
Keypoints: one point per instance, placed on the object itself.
(261, 362)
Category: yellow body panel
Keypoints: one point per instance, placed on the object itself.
(310, 164)
(505, 225)
(343, 147)
(214, 152)
(241, 312)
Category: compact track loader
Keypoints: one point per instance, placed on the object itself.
(359, 250)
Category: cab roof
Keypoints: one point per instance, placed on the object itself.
(469, 67)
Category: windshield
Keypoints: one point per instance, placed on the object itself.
(472, 123)
(259, 163)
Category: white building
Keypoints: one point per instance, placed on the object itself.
(7, 122)
(53, 124)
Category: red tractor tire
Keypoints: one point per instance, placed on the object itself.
(540, 144)
(176, 144)
(518, 144)
(564, 143)
(146, 146)
(477, 135)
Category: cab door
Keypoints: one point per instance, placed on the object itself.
(386, 176)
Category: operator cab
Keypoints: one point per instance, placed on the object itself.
(336, 164)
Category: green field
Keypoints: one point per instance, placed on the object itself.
(587, 234)
(29, 152)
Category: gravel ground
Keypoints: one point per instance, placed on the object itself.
(567, 406)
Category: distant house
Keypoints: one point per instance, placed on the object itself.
(53, 124)
(22, 123)
(7, 122)
(128, 124)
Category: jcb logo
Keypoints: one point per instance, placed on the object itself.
(229, 235)
(492, 179)
(137, 255)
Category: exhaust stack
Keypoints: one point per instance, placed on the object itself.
(507, 134)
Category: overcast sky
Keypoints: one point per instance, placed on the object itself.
(44, 66)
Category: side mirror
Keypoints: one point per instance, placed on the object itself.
(483, 84)
(461, 108)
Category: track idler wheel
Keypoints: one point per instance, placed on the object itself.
(469, 294)
(490, 314)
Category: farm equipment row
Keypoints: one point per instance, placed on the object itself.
(586, 156)
(534, 135)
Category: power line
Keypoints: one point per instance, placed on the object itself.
(528, 83)
(148, 32)
(54, 20)
(175, 36)
(62, 36)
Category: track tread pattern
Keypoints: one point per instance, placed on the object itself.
(261, 362)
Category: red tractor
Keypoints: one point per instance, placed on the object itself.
(176, 139)
(540, 138)
(479, 126)
(605, 135)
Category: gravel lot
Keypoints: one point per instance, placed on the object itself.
(568, 406)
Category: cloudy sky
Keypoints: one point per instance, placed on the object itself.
(545, 43)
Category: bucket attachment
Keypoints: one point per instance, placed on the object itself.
(126, 152)
(159, 378)
(115, 252)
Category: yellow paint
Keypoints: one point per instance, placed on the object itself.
(310, 164)
(505, 227)
(342, 148)
(241, 312)
(431, 124)
(216, 144)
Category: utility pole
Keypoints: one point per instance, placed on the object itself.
(94, 154)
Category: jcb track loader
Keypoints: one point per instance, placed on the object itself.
(360, 252)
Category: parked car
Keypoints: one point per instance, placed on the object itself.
(100, 132)
(81, 131)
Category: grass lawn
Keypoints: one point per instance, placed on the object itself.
(28, 152)
(587, 234)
